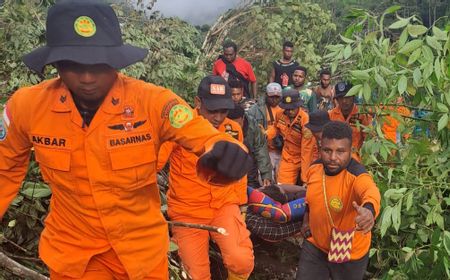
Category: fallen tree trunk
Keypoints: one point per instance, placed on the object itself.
(18, 269)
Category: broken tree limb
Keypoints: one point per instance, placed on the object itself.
(18, 269)
(198, 226)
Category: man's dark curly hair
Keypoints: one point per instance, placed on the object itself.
(324, 72)
(337, 130)
(301, 68)
(229, 44)
(288, 44)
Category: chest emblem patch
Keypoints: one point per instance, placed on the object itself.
(336, 204)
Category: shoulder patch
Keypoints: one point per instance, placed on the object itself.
(179, 115)
(356, 168)
(167, 107)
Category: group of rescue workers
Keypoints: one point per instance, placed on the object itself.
(284, 164)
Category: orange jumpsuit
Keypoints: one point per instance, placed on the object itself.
(298, 149)
(194, 201)
(391, 123)
(103, 177)
(354, 119)
(352, 184)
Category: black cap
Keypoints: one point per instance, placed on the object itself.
(86, 32)
(341, 89)
(317, 120)
(291, 99)
(215, 93)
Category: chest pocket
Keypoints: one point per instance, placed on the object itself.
(55, 166)
(133, 161)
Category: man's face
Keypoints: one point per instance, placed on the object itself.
(215, 117)
(291, 113)
(287, 53)
(325, 80)
(298, 78)
(273, 101)
(229, 54)
(89, 84)
(346, 104)
(335, 154)
(237, 94)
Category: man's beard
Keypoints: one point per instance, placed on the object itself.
(321, 84)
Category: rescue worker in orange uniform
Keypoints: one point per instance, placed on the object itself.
(347, 111)
(96, 135)
(391, 122)
(298, 148)
(343, 202)
(191, 200)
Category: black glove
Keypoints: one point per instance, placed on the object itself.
(228, 160)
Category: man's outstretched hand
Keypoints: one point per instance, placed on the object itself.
(364, 218)
(228, 159)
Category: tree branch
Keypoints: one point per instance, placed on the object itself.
(18, 269)
(197, 226)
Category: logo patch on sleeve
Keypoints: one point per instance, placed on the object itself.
(180, 115)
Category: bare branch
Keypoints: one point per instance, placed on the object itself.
(18, 269)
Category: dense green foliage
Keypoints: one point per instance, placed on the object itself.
(412, 237)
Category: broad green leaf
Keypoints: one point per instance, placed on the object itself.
(402, 84)
(372, 252)
(414, 56)
(346, 40)
(354, 90)
(416, 30)
(396, 216)
(439, 220)
(440, 35)
(446, 241)
(443, 121)
(428, 53)
(411, 46)
(360, 75)
(12, 223)
(399, 23)
(390, 170)
(367, 93)
(433, 42)
(442, 108)
(35, 190)
(347, 52)
(409, 201)
(403, 38)
(392, 9)
(386, 220)
(380, 80)
(437, 68)
(172, 246)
